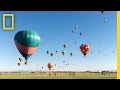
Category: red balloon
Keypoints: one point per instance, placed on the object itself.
(84, 48)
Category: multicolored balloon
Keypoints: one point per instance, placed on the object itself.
(84, 48)
(63, 52)
(20, 59)
(27, 42)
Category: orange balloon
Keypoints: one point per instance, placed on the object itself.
(50, 65)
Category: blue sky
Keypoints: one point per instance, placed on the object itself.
(55, 29)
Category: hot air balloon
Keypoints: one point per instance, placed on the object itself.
(72, 31)
(65, 45)
(27, 42)
(20, 59)
(84, 48)
(51, 54)
(80, 33)
(50, 65)
(63, 61)
(105, 20)
(76, 27)
(71, 54)
(63, 52)
(47, 52)
(26, 62)
(75, 41)
(18, 64)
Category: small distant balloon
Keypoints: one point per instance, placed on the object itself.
(20, 59)
(71, 54)
(76, 27)
(26, 62)
(51, 54)
(18, 64)
(80, 33)
(72, 31)
(65, 45)
(75, 41)
(63, 52)
(47, 52)
(105, 20)
(63, 61)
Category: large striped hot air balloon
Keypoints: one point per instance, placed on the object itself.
(27, 42)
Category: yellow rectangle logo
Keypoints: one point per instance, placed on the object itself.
(4, 22)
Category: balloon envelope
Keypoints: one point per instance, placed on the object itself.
(27, 42)
(47, 52)
(84, 48)
(76, 27)
(65, 45)
(50, 65)
(63, 52)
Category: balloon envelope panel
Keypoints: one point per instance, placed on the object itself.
(27, 42)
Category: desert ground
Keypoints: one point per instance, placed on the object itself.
(57, 75)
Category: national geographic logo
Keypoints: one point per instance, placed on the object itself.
(11, 22)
